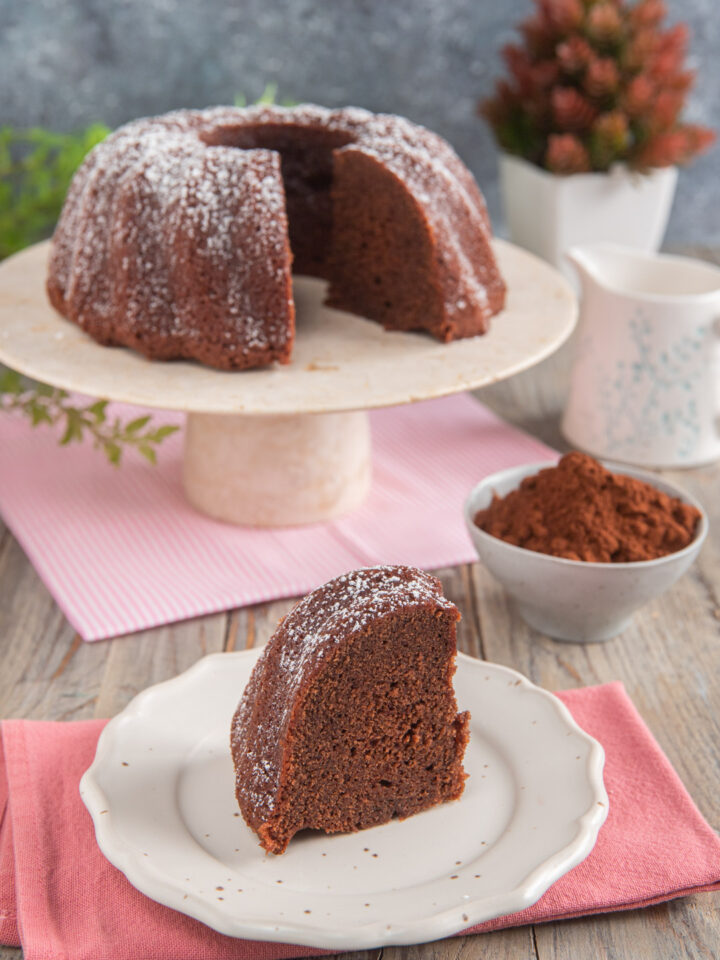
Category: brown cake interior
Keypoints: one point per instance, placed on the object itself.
(353, 222)
(379, 732)
(306, 156)
(373, 735)
(382, 258)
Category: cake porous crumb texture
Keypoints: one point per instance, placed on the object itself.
(349, 717)
(179, 232)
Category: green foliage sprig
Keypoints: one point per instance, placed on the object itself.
(43, 404)
(267, 97)
(36, 167)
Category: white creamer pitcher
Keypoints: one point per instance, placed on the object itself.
(645, 385)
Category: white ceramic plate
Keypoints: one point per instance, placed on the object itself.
(160, 792)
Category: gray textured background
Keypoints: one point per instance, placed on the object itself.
(64, 63)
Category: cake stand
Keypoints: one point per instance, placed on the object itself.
(287, 444)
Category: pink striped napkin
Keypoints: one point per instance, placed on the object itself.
(120, 549)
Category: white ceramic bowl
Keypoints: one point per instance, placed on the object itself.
(571, 599)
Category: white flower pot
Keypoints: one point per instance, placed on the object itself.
(547, 214)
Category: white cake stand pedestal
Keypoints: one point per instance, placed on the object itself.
(287, 444)
(277, 469)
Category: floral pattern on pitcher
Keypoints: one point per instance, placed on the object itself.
(650, 393)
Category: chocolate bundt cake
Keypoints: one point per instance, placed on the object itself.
(349, 717)
(178, 232)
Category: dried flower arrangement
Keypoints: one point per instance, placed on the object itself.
(596, 82)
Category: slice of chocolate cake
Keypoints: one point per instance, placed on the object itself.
(349, 717)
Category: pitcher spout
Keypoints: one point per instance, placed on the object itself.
(641, 275)
(590, 261)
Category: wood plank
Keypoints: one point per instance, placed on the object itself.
(48, 673)
(514, 944)
(139, 660)
(457, 586)
(265, 620)
(681, 929)
(357, 955)
(533, 400)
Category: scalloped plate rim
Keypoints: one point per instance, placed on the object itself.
(145, 878)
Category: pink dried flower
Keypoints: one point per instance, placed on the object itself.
(582, 61)
(639, 95)
(574, 54)
(562, 15)
(571, 110)
(604, 24)
(602, 78)
(566, 154)
(647, 13)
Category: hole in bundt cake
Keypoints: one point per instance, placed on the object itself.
(306, 160)
(346, 217)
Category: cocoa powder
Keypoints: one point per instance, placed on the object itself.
(581, 511)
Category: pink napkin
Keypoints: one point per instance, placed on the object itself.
(121, 550)
(60, 898)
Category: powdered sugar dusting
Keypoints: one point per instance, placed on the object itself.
(348, 605)
(157, 222)
(331, 615)
(169, 241)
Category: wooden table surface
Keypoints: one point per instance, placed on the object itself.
(668, 660)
